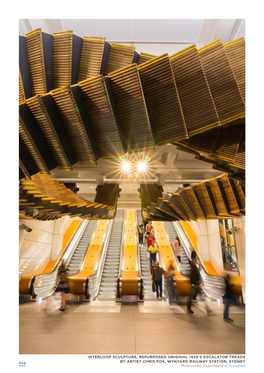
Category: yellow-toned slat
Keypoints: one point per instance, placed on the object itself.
(30, 145)
(197, 103)
(101, 117)
(74, 125)
(162, 99)
(91, 57)
(131, 108)
(218, 198)
(144, 57)
(22, 96)
(235, 51)
(206, 201)
(62, 58)
(222, 82)
(195, 203)
(36, 63)
(119, 56)
(231, 198)
(48, 131)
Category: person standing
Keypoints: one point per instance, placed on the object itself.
(63, 286)
(196, 287)
(150, 239)
(153, 254)
(228, 297)
(140, 235)
(178, 248)
(157, 279)
(169, 275)
(148, 229)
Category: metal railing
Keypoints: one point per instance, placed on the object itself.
(140, 280)
(121, 263)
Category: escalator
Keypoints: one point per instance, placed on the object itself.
(110, 273)
(172, 233)
(144, 265)
(213, 286)
(77, 257)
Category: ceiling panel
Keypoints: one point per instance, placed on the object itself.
(171, 30)
(111, 29)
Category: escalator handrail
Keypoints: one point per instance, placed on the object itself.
(197, 253)
(87, 249)
(120, 274)
(137, 246)
(179, 232)
(137, 249)
(101, 260)
(158, 245)
(73, 251)
(82, 226)
(172, 250)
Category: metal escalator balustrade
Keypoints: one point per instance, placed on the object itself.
(108, 283)
(43, 285)
(144, 265)
(185, 264)
(77, 257)
(213, 286)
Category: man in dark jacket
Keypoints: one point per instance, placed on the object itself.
(196, 286)
(228, 297)
(157, 278)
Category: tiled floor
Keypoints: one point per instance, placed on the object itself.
(147, 328)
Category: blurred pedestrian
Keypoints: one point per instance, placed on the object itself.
(193, 253)
(196, 287)
(157, 279)
(178, 248)
(152, 267)
(170, 281)
(63, 286)
(228, 297)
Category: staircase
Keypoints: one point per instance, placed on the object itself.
(108, 284)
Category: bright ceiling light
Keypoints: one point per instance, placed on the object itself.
(142, 166)
(125, 166)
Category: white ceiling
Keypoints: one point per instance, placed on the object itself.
(155, 36)
(169, 167)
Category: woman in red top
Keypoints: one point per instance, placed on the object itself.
(150, 239)
(148, 228)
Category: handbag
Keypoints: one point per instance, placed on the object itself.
(153, 287)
